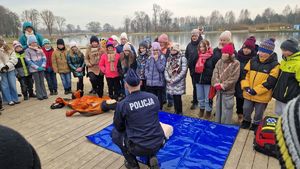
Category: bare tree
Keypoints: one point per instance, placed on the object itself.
(9, 24)
(94, 26)
(31, 15)
(127, 21)
(70, 28)
(61, 22)
(216, 19)
(165, 20)
(156, 12)
(108, 28)
(229, 19)
(48, 19)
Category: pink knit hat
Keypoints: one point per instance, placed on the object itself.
(163, 38)
(229, 49)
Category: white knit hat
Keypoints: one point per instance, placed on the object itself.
(123, 36)
(226, 35)
(176, 46)
(73, 44)
(114, 37)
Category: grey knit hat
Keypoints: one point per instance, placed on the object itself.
(290, 44)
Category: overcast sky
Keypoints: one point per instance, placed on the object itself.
(80, 12)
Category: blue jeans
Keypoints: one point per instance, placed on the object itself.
(202, 96)
(8, 86)
(51, 80)
(66, 80)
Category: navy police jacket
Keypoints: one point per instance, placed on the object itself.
(137, 116)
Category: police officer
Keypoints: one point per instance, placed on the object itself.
(137, 129)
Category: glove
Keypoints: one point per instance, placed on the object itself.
(4, 68)
(79, 69)
(250, 91)
(40, 69)
(218, 87)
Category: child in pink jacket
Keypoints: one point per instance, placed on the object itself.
(109, 67)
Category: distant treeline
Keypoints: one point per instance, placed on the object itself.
(161, 20)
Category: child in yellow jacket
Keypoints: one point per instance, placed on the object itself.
(261, 77)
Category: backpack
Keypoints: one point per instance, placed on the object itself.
(265, 138)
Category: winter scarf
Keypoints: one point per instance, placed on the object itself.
(111, 58)
(202, 59)
(175, 64)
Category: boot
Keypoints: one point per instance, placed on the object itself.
(245, 124)
(55, 92)
(153, 163)
(32, 95)
(207, 115)
(51, 92)
(66, 92)
(193, 107)
(201, 113)
(70, 91)
(254, 127)
(26, 97)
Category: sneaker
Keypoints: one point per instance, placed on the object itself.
(17, 102)
(193, 107)
(45, 97)
(55, 92)
(19, 95)
(207, 115)
(153, 163)
(66, 92)
(40, 98)
(11, 103)
(51, 93)
(201, 113)
(245, 124)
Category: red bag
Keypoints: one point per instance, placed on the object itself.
(212, 92)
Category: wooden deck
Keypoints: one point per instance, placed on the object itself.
(61, 143)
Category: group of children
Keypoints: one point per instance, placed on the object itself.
(250, 74)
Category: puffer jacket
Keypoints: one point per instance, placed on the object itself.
(178, 86)
(8, 58)
(76, 60)
(92, 59)
(59, 61)
(154, 71)
(21, 67)
(261, 77)
(226, 73)
(288, 84)
(141, 63)
(209, 66)
(35, 59)
(23, 38)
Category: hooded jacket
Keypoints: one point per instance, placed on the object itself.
(288, 84)
(23, 38)
(261, 77)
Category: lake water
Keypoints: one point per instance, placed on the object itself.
(184, 38)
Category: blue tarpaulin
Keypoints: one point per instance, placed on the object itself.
(194, 144)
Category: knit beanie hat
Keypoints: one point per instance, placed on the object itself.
(155, 46)
(226, 35)
(143, 44)
(109, 43)
(94, 39)
(132, 78)
(267, 46)
(123, 36)
(46, 41)
(176, 46)
(126, 47)
(73, 44)
(163, 38)
(288, 135)
(195, 32)
(60, 42)
(114, 37)
(250, 43)
(16, 44)
(228, 48)
(16, 152)
(291, 45)
(31, 39)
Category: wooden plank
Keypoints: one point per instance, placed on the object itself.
(273, 163)
(247, 158)
(237, 149)
(260, 161)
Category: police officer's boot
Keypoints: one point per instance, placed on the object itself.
(131, 165)
(153, 163)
